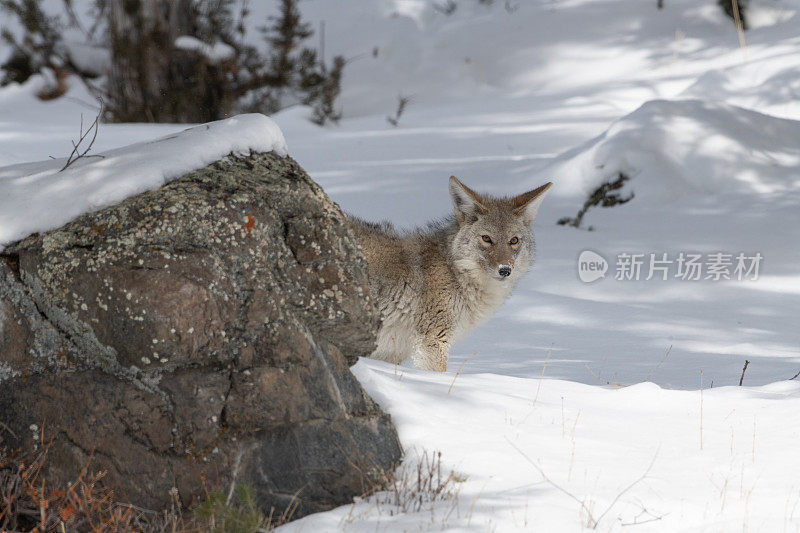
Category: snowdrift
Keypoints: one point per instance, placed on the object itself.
(638, 455)
(671, 148)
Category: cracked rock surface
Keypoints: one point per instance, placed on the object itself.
(202, 331)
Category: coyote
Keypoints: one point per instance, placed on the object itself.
(433, 285)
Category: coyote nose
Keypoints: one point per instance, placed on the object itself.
(504, 271)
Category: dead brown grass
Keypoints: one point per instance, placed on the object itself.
(31, 501)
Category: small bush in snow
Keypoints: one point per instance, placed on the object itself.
(300, 72)
(420, 485)
(323, 96)
(605, 196)
(31, 500)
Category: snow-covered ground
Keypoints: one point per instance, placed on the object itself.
(508, 96)
(555, 455)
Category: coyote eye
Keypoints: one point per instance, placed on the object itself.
(513, 241)
(486, 238)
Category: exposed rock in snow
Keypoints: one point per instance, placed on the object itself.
(199, 331)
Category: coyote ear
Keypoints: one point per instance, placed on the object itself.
(527, 204)
(467, 203)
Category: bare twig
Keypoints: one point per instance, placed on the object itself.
(795, 376)
(79, 150)
(541, 376)
(626, 489)
(637, 522)
(592, 522)
(551, 482)
(741, 379)
(101, 8)
(402, 102)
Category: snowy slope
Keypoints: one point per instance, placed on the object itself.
(674, 148)
(571, 91)
(557, 456)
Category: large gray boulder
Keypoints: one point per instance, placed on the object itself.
(197, 335)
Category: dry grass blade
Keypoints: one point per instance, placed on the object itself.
(31, 500)
(459, 371)
(737, 17)
(701, 409)
(539, 387)
(419, 486)
(666, 354)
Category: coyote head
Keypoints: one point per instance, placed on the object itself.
(494, 235)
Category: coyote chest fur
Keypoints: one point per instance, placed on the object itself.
(435, 284)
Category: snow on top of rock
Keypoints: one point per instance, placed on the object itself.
(36, 197)
(213, 52)
(670, 148)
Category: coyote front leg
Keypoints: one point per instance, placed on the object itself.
(433, 326)
(431, 354)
